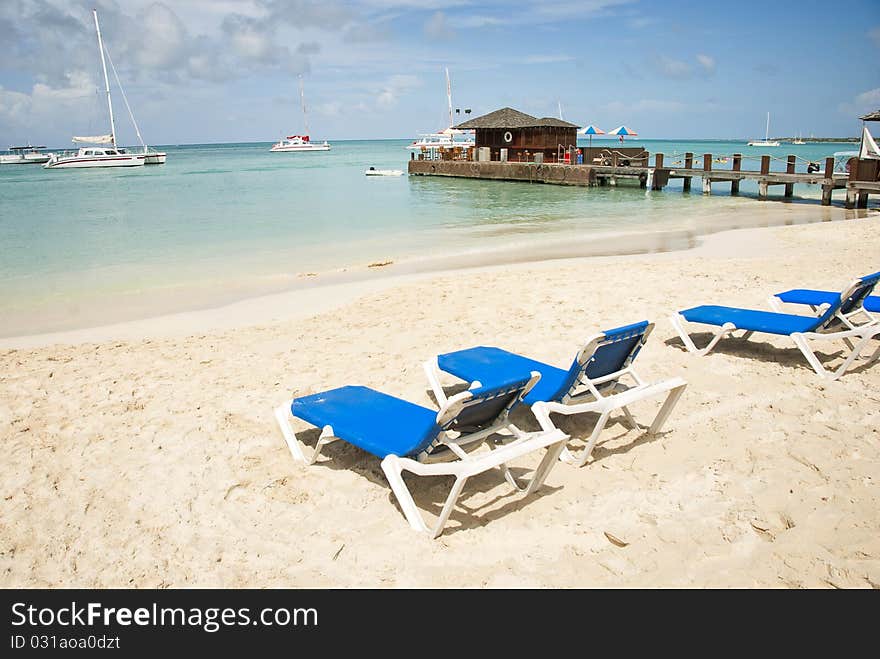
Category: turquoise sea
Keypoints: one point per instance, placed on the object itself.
(225, 221)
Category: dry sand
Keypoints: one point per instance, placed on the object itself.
(154, 462)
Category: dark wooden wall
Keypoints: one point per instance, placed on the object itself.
(544, 139)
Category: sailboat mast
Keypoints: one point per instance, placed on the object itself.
(106, 79)
(767, 129)
(302, 98)
(449, 96)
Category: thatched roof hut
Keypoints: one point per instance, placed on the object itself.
(521, 135)
(507, 118)
(871, 116)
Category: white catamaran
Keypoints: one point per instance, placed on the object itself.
(449, 137)
(105, 152)
(296, 143)
(766, 141)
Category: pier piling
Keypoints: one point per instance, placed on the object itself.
(707, 168)
(789, 169)
(737, 166)
(688, 164)
(828, 185)
(762, 182)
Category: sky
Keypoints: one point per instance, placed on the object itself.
(209, 71)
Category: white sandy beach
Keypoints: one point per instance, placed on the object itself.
(146, 454)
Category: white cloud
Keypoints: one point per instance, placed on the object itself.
(862, 103)
(72, 101)
(547, 59)
(707, 62)
(678, 69)
(395, 87)
(437, 27)
(672, 68)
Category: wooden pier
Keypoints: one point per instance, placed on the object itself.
(858, 183)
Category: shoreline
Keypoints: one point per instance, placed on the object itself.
(305, 293)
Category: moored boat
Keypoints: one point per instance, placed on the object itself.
(298, 143)
(25, 155)
(97, 155)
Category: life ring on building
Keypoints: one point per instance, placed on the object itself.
(508, 137)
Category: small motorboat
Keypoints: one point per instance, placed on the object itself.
(372, 171)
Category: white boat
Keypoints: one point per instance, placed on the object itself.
(372, 171)
(93, 156)
(766, 141)
(449, 137)
(299, 143)
(296, 143)
(25, 155)
(798, 140)
(97, 156)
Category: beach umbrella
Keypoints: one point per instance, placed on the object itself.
(623, 130)
(591, 130)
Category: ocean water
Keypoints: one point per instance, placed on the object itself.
(231, 220)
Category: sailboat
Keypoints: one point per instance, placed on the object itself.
(798, 140)
(300, 142)
(447, 138)
(101, 155)
(766, 141)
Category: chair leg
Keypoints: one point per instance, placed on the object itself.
(677, 321)
(634, 425)
(668, 405)
(543, 469)
(394, 473)
(581, 460)
(551, 455)
(282, 415)
(449, 505)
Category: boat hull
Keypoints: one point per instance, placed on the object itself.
(299, 147)
(23, 160)
(89, 162)
(156, 158)
(384, 172)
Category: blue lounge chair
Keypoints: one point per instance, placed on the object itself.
(853, 311)
(801, 329)
(591, 384)
(426, 442)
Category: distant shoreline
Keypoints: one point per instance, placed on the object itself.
(599, 139)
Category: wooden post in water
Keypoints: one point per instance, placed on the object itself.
(828, 185)
(789, 169)
(737, 166)
(658, 164)
(688, 164)
(762, 183)
(707, 168)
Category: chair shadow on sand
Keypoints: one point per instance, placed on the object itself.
(429, 494)
(765, 352)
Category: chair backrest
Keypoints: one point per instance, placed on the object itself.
(850, 299)
(478, 409)
(606, 353)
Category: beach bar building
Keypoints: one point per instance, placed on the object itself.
(514, 136)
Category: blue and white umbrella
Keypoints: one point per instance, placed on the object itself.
(623, 130)
(591, 130)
